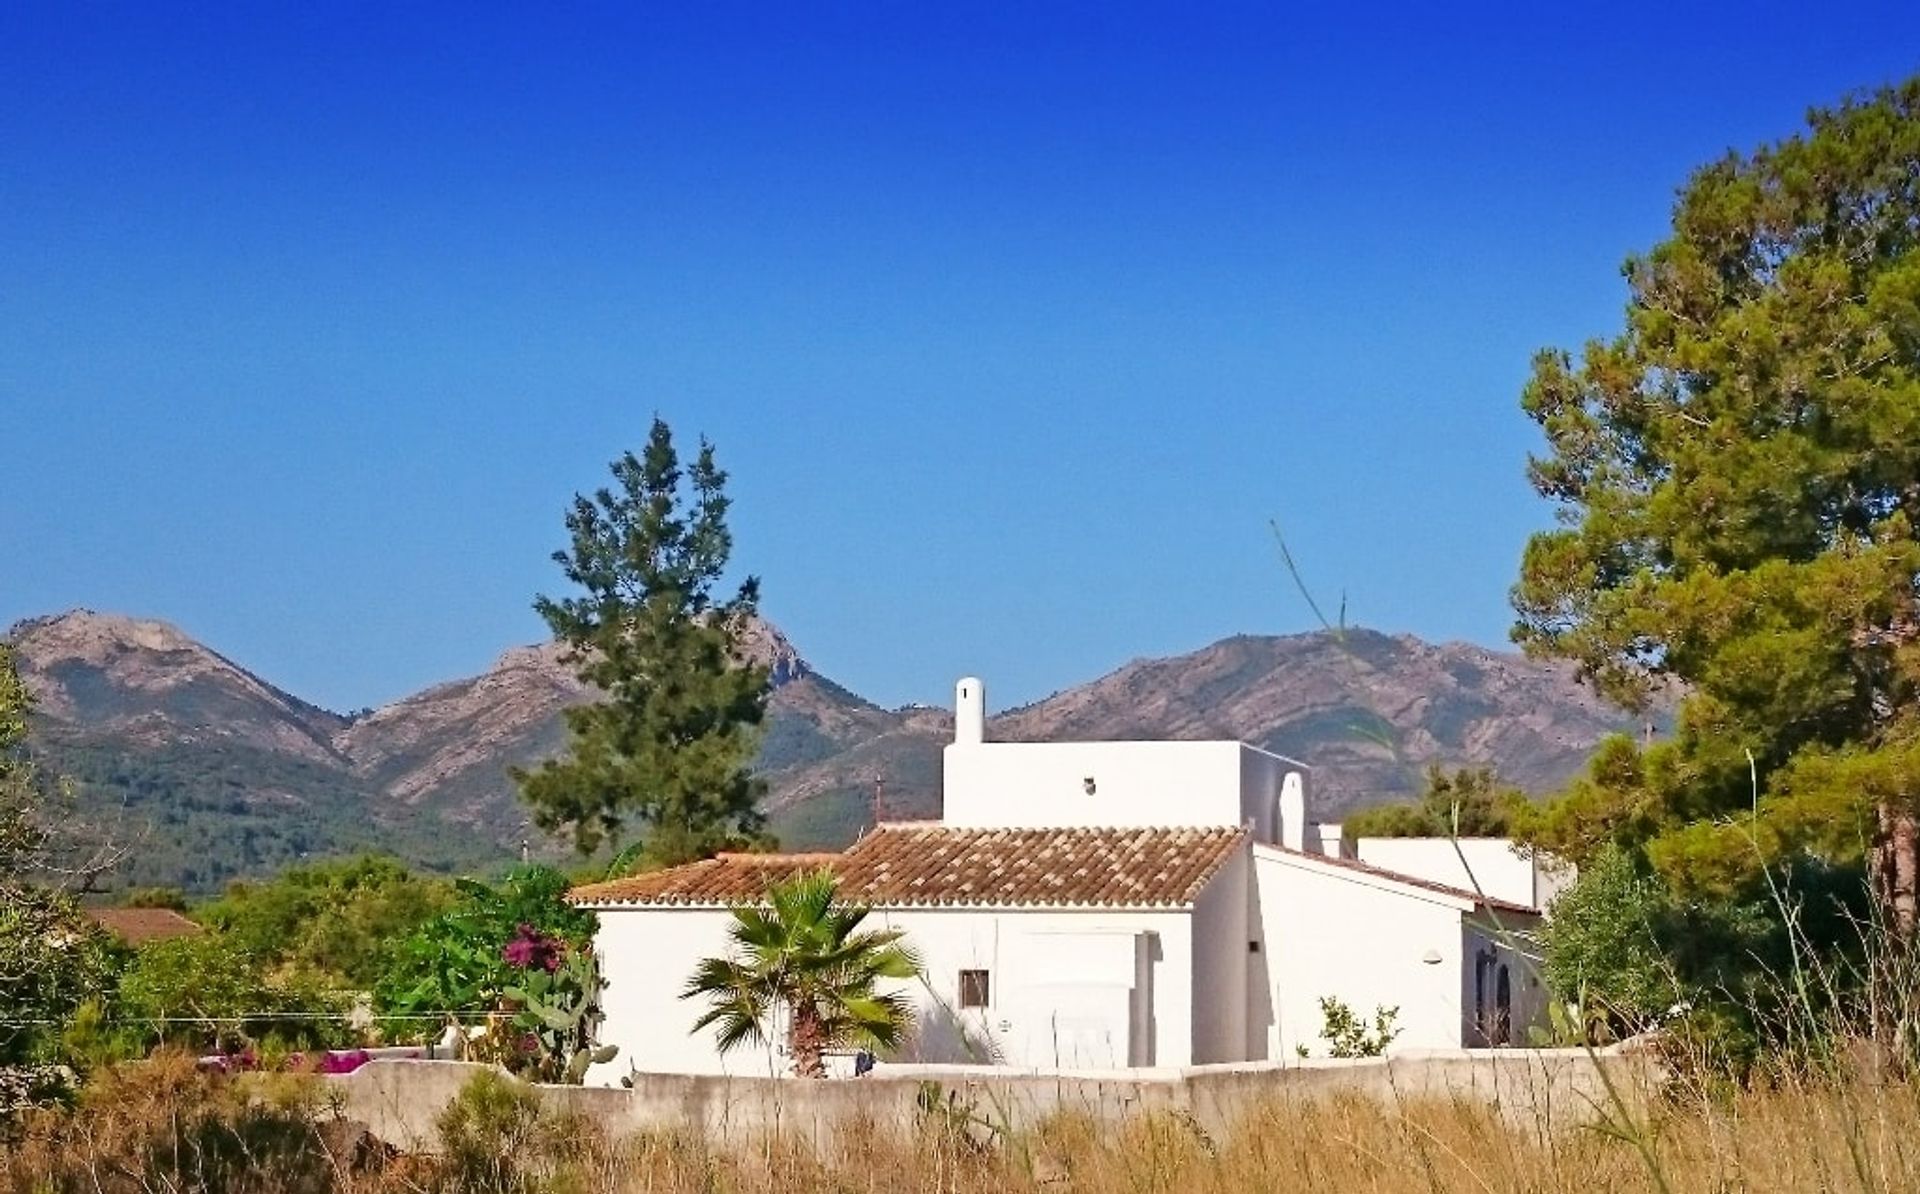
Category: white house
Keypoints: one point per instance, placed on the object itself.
(1093, 905)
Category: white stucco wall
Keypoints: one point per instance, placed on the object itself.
(646, 956)
(1326, 930)
(1067, 987)
(1493, 863)
(1090, 989)
(1221, 933)
(1044, 785)
(1262, 775)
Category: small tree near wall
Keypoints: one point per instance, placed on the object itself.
(1349, 1036)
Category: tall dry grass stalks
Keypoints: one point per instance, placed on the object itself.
(1788, 1139)
(140, 1132)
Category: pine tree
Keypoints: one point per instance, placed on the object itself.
(21, 836)
(1738, 474)
(668, 747)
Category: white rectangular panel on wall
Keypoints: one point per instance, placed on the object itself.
(1073, 998)
(1080, 958)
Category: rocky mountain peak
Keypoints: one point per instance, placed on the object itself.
(547, 657)
(94, 637)
(762, 642)
(148, 680)
(460, 733)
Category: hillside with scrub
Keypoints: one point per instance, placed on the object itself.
(219, 775)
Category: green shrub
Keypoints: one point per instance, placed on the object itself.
(1602, 947)
(210, 992)
(92, 1038)
(1348, 1036)
(1470, 802)
(457, 962)
(52, 959)
(342, 919)
(171, 898)
(491, 1137)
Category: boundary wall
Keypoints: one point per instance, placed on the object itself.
(399, 1100)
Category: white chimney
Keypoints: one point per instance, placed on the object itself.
(969, 712)
(1333, 840)
(1293, 811)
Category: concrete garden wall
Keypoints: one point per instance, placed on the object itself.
(399, 1100)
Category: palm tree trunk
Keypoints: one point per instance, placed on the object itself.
(807, 1041)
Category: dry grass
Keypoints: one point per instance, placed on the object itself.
(170, 1130)
(1855, 1138)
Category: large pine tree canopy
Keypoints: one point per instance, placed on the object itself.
(1737, 475)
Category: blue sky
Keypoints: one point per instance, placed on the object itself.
(1015, 325)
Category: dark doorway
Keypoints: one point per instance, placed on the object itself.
(1503, 1009)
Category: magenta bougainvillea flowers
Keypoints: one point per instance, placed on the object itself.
(531, 949)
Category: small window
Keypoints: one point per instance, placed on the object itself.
(973, 988)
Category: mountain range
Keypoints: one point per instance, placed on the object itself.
(204, 772)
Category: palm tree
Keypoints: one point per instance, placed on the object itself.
(802, 950)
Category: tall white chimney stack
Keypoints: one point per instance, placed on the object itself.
(969, 712)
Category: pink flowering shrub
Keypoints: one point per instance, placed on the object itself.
(531, 949)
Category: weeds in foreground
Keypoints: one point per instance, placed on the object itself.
(160, 1126)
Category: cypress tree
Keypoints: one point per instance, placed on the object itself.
(667, 749)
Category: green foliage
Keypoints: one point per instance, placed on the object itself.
(1739, 522)
(1468, 803)
(208, 991)
(206, 982)
(671, 744)
(1603, 952)
(497, 1137)
(94, 1038)
(1735, 475)
(52, 957)
(803, 952)
(340, 919)
(21, 836)
(1349, 1036)
(456, 962)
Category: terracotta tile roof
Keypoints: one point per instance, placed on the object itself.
(1367, 868)
(137, 926)
(726, 879)
(929, 865)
